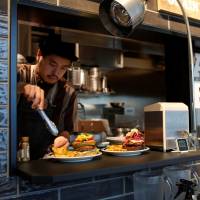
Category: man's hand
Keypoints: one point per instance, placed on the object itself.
(34, 94)
(65, 134)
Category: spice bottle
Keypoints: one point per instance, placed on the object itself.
(24, 151)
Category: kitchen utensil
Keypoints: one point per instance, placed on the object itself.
(94, 84)
(95, 80)
(78, 77)
(50, 125)
(104, 84)
(94, 72)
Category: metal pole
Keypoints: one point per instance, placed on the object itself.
(12, 60)
(191, 67)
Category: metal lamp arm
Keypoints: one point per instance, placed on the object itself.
(191, 67)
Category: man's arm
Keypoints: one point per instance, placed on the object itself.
(33, 93)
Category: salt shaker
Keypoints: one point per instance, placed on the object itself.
(24, 151)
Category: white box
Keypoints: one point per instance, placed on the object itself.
(163, 123)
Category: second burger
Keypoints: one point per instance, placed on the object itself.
(84, 142)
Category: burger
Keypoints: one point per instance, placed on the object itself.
(134, 140)
(84, 142)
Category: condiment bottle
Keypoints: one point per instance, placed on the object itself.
(24, 151)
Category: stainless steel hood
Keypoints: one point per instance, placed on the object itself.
(106, 50)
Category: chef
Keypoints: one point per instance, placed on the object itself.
(42, 86)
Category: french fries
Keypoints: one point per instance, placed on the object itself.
(117, 147)
(63, 152)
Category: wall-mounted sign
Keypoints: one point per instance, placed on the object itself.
(192, 7)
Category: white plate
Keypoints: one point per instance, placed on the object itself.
(72, 159)
(103, 144)
(126, 153)
(118, 139)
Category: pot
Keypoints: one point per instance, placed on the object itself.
(95, 80)
(78, 77)
(94, 84)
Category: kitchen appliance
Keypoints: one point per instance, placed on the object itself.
(163, 124)
(110, 114)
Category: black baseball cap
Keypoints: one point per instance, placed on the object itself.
(52, 45)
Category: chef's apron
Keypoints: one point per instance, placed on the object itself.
(31, 124)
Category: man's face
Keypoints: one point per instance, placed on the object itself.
(53, 67)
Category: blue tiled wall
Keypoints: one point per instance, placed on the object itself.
(3, 93)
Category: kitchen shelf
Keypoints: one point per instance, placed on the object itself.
(94, 94)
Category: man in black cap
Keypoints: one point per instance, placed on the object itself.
(42, 86)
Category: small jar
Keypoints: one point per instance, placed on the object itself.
(24, 150)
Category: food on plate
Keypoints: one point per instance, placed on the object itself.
(61, 141)
(60, 145)
(59, 151)
(84, 145)
(115, 147)
(84, 142)
(64, 153)
(134, 140)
